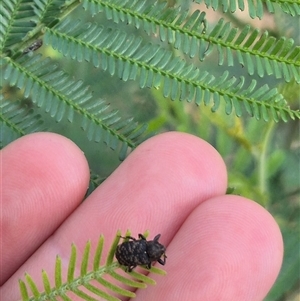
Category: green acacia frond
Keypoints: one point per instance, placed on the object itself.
(255, 7)
(91, 282)
(60, 96)
(17, 120)
(258, 52)
(22, 21)
(157, 67)
(172, 25)
(149, 16)
(15, 21)
(48, 11)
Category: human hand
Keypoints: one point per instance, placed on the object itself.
(219, 247)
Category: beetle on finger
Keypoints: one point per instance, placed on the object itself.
(134, 252)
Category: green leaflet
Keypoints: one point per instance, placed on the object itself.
(87, 276)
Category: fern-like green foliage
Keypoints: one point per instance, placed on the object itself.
(17, 120)
(59, 95)
(256, 8)
(254, 49)
(158, 67)
(83, 285)
(171, 58)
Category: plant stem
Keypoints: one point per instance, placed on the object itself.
(262, 162)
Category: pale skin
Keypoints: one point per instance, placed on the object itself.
(219, 247)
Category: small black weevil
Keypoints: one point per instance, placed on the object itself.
(140, 252)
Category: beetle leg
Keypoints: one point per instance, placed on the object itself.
(162, 262)
(130, 268)
(141, 236)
